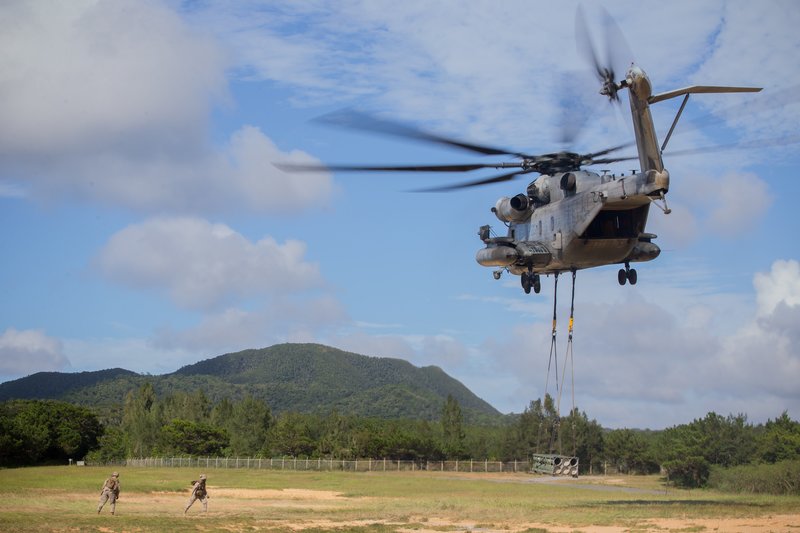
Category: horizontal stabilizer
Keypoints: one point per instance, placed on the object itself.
(697, 89)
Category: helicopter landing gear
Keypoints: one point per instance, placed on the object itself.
(531, 280)
(627, 274)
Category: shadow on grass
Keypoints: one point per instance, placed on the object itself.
(676, 503)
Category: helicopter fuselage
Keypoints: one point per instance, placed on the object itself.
(588, 220)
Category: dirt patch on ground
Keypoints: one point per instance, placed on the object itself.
(273, 494)
(299, 510)
(232, 501)
(742, 525)
(248, 494)
(775, 524)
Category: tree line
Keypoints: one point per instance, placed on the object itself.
(188, 424)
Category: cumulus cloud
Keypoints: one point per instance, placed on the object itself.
(119, 75)
(203, 265)
(441, 349)
(110, 102)
(682, 348)
(23, 352)
(780, 285)
(285, 319)
(134, 354)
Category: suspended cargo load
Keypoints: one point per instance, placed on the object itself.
(555, 465)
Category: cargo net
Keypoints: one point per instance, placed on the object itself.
(555, 465)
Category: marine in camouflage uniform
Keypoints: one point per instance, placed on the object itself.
(109, 492)
(199, 492)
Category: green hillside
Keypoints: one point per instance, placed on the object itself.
(307, 378)
(54, 385)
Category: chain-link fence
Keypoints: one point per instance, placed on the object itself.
(319, 464)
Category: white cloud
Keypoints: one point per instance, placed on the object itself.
(780, 285)
(441, 350)
(670, 353)
(414, 59)
(120, 75)
(24, 352)
(203, 265)
(283, 320)
(733, 202)
(131, 353)
(752, 48)
(110, 102)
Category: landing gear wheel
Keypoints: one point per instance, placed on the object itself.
(632, 276)
(622, 276)
(537, 284)
(497, 273)
(526, 282)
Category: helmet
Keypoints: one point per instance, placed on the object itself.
(115, 474)
(202, 476)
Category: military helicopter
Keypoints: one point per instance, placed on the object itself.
(568, 218)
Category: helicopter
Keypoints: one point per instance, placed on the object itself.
(568, 218)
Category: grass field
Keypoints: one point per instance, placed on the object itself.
(152, 499)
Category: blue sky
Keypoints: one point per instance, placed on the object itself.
(146, 227)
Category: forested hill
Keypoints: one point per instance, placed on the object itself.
(307, 378)
(55, 385)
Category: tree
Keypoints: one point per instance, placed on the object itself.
(142, 421)
(337, 437)
(191, 406)
(583, 438)
(112, 446)
(193, 438)
(291, 435)
(44, 431)
(780, 440)
(248, 425)
(688, 451)
(536, 431)
(452, 429)
(221, 413)
(629, 451)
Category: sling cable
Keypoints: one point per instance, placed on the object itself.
(551, 462)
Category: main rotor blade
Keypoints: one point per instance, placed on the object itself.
(759, 143)
(365, 122)
(613, 160)
(609, 150)
(391, 168)
(476, 183)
